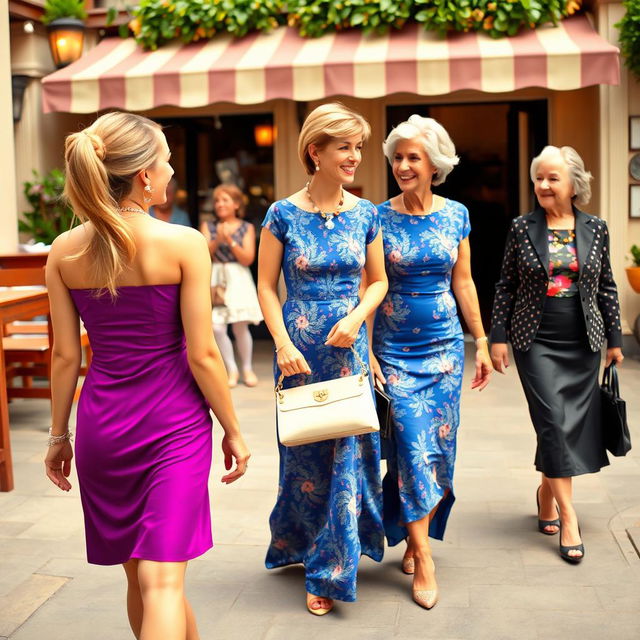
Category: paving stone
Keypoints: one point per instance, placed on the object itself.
(499, 577)
(24, 599)
(587, 626)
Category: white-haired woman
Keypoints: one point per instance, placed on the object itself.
(556, 302)
(329, 507)
(418, 342)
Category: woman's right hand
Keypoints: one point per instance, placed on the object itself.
(57, 464)
(234, 448)
(500, 356)
(291, 361)
(378, 376)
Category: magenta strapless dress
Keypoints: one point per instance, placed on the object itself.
(143, 433)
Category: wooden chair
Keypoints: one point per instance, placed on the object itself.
(27, 346)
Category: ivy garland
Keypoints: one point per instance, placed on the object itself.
(629, 28)
(156, 22)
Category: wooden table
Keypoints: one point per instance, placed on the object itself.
(14, 305)
(21, 260)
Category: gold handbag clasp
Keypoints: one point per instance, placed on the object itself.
(321, 395)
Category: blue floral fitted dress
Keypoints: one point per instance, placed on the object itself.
(419, 344)
(329, 506)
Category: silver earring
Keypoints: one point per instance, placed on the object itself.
(149, 190)
(317, 167)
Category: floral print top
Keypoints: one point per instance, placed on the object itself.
(563, 264)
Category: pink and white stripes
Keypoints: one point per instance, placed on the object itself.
(281, 64)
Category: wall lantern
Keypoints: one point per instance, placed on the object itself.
(18, 85)
(264, 134)
(66, 36)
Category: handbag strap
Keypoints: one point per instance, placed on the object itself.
(364, 372)
(610, 379)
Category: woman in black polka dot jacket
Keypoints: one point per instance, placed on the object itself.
(556, 302)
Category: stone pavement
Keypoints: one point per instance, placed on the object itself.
(499, 577)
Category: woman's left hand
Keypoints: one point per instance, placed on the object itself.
(344, 332)
(484, 368)
(614, 355)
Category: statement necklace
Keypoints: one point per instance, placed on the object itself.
(330, 215)
(132, 210)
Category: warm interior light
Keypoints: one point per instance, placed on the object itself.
(66, 43)
(264, 134)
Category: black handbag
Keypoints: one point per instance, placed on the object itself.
(614, 414)
(383, 409)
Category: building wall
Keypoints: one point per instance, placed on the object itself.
(632, 235)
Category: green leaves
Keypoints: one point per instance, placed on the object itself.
(56, 9)
(497, 18)
(50, 215)
(629, 28)
(158, 21)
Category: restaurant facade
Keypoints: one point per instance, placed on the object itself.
(232, 109)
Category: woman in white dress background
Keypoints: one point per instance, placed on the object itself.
(232, 245)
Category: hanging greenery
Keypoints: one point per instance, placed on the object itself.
(316, 17)
(156, 22)
(497, 18)
(630, 35)
(50, 214)
(56, 9)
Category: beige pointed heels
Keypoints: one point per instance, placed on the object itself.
(408, 566)
(426, 598)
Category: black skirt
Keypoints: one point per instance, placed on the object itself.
(559, 375)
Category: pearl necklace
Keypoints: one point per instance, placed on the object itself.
(133, 210)
(328, 216)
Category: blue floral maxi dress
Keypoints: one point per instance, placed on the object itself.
(329, 506)
(419, 344)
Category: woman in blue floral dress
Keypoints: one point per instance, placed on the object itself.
(329, 506)
(418, 343)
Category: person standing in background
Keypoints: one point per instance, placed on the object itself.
(232, 245)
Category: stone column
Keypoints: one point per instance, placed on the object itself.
(8, 210)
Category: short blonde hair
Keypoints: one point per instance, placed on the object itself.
(325, 123)
(234, 193)
(436, 142)
(579, 176)
(101, 163)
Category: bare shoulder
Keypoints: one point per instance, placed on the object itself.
(178, 236)
(71, 241)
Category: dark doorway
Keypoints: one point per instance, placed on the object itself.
(495, 142)
(226, 148)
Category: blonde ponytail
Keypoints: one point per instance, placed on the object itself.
(101, 162)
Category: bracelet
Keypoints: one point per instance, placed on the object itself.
(283, 345)
(481, 339)
(52, 440)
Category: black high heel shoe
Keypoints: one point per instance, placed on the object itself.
(564, 549)
(546, 523)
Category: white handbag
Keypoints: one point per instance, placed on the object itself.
(326, 410)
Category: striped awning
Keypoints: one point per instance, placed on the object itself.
(259, 67)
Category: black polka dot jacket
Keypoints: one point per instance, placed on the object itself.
(522, 288)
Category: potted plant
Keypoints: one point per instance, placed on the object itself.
(633, 273)
(50, 215)
(65, 24)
